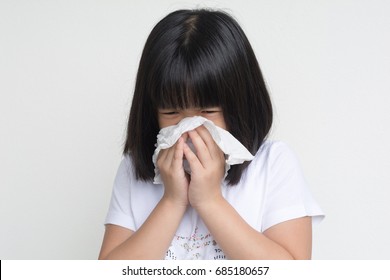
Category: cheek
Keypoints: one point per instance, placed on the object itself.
(168, 121)
(164, 123)
(220, 123)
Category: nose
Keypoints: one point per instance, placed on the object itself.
(191, 113)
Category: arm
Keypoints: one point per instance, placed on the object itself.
(151, 241)
(287, 240)
(154, 237)
(238, 240)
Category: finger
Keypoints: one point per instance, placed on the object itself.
(202, 151)
(177, 161)
(192, 159)
(212, 146)
(185, 136)
(170, 154)
(166, 155)
(162, 155)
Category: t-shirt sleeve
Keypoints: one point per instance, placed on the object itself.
(287, 194)
(119, 211)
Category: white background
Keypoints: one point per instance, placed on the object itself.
(67, 71)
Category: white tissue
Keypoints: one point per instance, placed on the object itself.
(235, 152)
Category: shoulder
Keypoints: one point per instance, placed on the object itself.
(126, 177)
(275, 154)
(125, 172)
(279, 167)
(287, 195)
(274, 147)
(273, 164)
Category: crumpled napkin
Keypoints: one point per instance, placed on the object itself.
(235, 152)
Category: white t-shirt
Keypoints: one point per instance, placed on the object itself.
(272, 190)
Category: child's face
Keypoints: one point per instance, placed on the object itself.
(170, 116)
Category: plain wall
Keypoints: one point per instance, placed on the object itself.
(67, 71)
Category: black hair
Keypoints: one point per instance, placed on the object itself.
(198, 58)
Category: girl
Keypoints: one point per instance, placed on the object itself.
(200, 63)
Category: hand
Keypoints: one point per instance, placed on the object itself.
(207, 168)
(170, 163)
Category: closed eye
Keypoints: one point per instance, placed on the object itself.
(169, 113)
(210, 111)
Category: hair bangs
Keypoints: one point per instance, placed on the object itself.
(184, 84)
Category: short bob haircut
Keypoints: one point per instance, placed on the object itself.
(198, 58)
